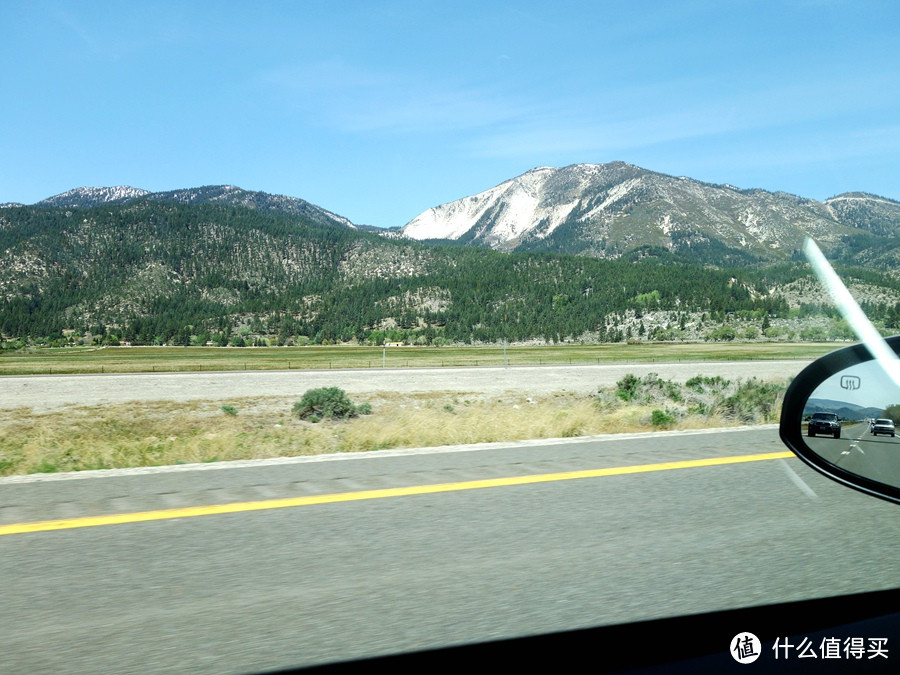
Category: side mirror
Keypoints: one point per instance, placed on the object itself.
(839, 417)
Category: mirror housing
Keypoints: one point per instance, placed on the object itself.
(851, 385)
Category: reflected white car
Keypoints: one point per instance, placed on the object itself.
(883, 426)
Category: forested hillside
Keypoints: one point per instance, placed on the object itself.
(154, 272)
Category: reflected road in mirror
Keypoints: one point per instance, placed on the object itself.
(840, 416)
(861, 453)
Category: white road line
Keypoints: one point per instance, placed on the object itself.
(796, 480)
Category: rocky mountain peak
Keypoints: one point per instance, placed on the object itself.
(215, 194)
(604, 210)
(94, 196)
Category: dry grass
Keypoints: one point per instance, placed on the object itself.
(157, 434)
(101, 437)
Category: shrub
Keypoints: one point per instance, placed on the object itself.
(753, 401)
(892, 412)
(229, 410)
(722, 334)
(699, 383)
(814, 334)
(633, 389)
(660, 419)
(626, 388)
(328, 403)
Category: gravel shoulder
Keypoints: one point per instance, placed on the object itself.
(44, 393)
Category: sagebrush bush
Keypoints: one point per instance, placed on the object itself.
(747, 402)
(649, 389)
(328, 403)
(661, 419)
(753, 401)
(627, 387)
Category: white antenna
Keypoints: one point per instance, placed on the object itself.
(852, 312)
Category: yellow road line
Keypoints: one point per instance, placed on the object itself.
(240, 507)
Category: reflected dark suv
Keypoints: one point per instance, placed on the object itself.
(824, 423)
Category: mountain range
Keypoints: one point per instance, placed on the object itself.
(601, 211)
(659, 257)
(227, 195)
(604, 210)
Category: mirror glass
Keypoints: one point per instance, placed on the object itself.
(850, 418)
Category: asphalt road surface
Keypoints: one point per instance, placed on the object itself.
(48, 392)
(859, 452)
(330, 570)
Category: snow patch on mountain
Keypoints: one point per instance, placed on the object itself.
(617, 193)
(94, 196)
(611, 208)
(213, 194)
(516, 215)
(448, 221)
(524, 205)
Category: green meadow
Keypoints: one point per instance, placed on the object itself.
(76, 360)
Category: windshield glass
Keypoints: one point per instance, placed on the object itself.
(331, 330)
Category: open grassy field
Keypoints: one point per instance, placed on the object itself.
(206, 359)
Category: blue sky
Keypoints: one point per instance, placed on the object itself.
(380, 110)
(875, 387)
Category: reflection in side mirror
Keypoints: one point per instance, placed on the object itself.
(840, 416)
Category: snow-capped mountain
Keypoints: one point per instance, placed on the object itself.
(261, 201)
(94, 196)
(216, 194)
(604, 210)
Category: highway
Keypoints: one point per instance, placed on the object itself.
(858, 451)
(320, 559)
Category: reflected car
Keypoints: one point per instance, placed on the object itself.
(824, 423)
(883, 426)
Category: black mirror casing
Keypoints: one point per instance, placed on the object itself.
(799, 393)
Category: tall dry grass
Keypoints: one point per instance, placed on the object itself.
(158, 434)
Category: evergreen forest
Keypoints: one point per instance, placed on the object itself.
(153, 272)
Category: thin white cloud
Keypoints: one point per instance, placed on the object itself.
(76, 27)
(631, 118)
(138, 30)
(359, 100)
(563, 132)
